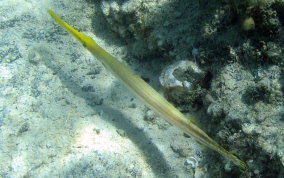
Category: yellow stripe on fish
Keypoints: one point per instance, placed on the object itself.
(147, 94)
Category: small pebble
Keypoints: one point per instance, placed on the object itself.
(121, 132)
(98, 131)
(192, 162)
(182, 152)
(24, 128)
(88, 88)
(132, 105)
(150, 116)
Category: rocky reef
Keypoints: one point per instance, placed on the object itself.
(238, 47)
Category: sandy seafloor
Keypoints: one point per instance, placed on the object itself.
(63, 115)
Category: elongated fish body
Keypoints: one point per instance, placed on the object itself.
(147, 94)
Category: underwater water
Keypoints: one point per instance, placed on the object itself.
(63, 114)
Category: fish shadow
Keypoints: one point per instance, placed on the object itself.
(153, 156)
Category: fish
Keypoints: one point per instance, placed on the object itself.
(147, 94)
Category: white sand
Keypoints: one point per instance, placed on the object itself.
(62, 114)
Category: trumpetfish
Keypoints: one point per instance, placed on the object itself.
(147, 94)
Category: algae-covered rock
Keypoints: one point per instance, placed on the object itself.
(181, 82)
(252, 102)
(240, 44)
